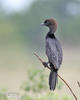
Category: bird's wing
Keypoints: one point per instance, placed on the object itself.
(52, 52)
(60, 53)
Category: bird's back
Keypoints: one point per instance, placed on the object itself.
(59, 50)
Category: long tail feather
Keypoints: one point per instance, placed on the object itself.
(52, 79)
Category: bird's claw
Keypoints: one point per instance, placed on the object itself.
(45, 64)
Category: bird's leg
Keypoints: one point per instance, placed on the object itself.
(46, 64)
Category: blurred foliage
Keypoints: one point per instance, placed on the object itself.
(50, 96)
(59, 85)
(3, 97)
(36, 81)
(37, 84)
(3, 92)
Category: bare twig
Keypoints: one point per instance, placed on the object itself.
(78, 83)
(41, 60)
(59, 77)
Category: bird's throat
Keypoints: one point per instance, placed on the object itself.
(49, 35)
(52, 29)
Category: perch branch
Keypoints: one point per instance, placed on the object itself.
(78, 83)
(59, 77)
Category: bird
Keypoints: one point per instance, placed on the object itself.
(54, 52)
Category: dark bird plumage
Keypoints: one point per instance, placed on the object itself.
(53, 51)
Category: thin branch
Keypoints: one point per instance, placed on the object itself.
(78, 83)
(59, 77)
(41, 60)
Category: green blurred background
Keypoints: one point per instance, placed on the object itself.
(21, 35)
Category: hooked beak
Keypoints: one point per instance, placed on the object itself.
(42, 24)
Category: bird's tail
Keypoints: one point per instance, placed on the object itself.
(52, 79)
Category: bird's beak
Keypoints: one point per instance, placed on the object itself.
(42, 24)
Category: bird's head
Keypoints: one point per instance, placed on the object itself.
(51, 23)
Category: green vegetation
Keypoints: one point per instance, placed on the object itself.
(47, 97)
(36, 88)
(3, 97)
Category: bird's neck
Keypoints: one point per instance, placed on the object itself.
(49, 35)
(52, 29)
(51, 32)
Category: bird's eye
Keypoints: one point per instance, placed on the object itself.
(46, 22)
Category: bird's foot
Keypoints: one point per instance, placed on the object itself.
(45, 64)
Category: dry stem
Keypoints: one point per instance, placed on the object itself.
(78, 83)
(59, 77)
